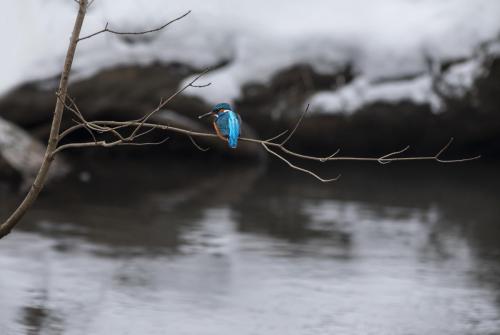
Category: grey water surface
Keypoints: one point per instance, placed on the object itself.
(174, 248)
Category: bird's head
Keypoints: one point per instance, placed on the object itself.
(222, 106)
(217, 109)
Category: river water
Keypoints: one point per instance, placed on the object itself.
(171, 248)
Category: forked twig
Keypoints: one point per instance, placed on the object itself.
(384, 160)
(298, 168)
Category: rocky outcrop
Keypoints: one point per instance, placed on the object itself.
(123, 93)
(21, 155)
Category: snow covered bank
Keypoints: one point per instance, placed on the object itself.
(424, 89)
(382, 39)
(361, 92)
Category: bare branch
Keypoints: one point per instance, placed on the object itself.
(107, 30)
(80, 145)
(106, 144)
(268, 143)
(382, 160)
(385, 159)
(299, 168)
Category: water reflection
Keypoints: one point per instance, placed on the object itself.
(164, 248)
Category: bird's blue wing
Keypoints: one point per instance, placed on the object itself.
(222, 122)
(234, 129)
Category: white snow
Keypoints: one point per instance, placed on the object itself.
(382, 39)
(361, 92)
(459, 79)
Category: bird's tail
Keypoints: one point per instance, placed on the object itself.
(234, 129)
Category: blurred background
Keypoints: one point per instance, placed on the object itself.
(172, 240)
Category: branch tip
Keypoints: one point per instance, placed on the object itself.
(107, 30)
(296, 126)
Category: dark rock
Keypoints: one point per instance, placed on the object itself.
(121, 93)
(275, 106)
(22, 155)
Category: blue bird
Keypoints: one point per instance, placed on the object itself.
(226, 123)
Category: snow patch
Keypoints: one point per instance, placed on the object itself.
(363, 92)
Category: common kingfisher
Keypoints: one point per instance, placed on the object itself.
(226, 123)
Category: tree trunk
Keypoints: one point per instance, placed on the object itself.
(41, 177)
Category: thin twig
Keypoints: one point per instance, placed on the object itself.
(166, 101)
(147, 143)
(77, 113)
(196, 144)
(331, 156)
(107, 30)
(106, 144)
(296, 125)
(277, 136)
(87, 129)
(142, 134)
(384, 160)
